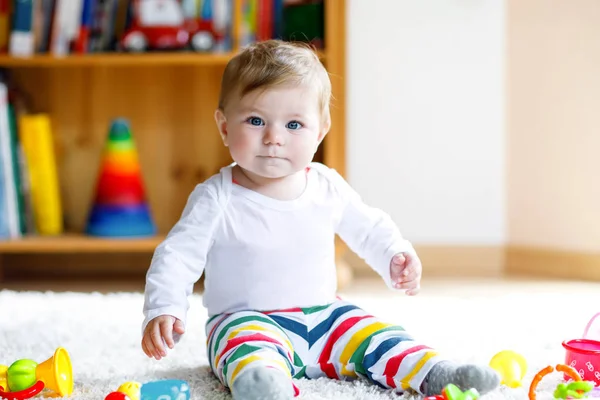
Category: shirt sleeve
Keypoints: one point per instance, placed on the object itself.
(368, 231)
(178, 262)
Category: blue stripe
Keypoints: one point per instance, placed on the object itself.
(373, 357)
(285, 357)
(291, 325)
(321, 329)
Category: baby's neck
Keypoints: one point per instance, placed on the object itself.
(285, 188)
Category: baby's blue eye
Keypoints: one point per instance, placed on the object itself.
(293, 125)
(255, 121)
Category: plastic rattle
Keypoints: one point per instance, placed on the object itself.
(511, 367)
(573, 390)
(168, 389)
(452, 392)
(569, 371)
(127, 391)
(26, 378)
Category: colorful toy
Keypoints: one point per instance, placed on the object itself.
(573, 390)
(168, 389)
(161, 25)
(127, 391)
(120, 208)
(131, 389)
(584, 354)
(568, 371)
(511, 366)
(26, 378)
(452, 392)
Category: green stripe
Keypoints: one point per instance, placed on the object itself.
(312, 310)
(240, 352)
(213, 317)
(301, 374)
(297, 360)
(359, 355)
(239, 321)
(120, 145)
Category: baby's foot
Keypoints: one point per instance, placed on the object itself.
(262, 383)
(468, 376)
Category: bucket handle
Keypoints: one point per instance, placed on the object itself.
(589, 325)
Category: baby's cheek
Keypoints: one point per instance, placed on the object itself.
(241, 144)
(304, 148)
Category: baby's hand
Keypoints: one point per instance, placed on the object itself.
(405, 270)
(158, 332)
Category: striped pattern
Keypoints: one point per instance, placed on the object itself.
(339, 341)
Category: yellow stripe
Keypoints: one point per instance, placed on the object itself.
(256, 357)
(405, 381)
(235, 332)
(355, 341)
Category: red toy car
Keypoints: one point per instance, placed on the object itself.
(160, 25)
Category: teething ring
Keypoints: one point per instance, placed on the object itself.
(566, 369)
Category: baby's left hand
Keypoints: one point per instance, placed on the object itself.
(405, 270)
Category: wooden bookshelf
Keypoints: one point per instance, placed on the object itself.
(169, 99)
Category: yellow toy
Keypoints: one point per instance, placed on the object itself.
(131, 389)
(26, 378)
(511, 366)
(127, 391)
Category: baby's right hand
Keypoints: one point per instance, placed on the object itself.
(158, 332)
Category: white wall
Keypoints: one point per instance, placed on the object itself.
(425, 115)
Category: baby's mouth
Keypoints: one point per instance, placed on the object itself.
(270, 156)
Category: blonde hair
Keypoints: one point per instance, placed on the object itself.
(271, 63)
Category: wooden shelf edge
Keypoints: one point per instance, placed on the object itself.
(117, 59)
(122, 59)
(78, 244)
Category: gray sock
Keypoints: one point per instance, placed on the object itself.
(262, 383)
(466, 376)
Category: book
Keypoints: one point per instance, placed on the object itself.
(36, 138)
(9, 212)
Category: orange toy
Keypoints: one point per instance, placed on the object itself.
(569, 371)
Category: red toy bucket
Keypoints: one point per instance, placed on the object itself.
(584, 356)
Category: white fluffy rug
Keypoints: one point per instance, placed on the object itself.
(102, 334)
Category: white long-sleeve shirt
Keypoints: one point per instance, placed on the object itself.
(260, 253)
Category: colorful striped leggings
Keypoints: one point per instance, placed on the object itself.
(338, 340)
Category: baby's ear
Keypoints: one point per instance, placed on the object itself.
(325, 126)
(221, 124)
